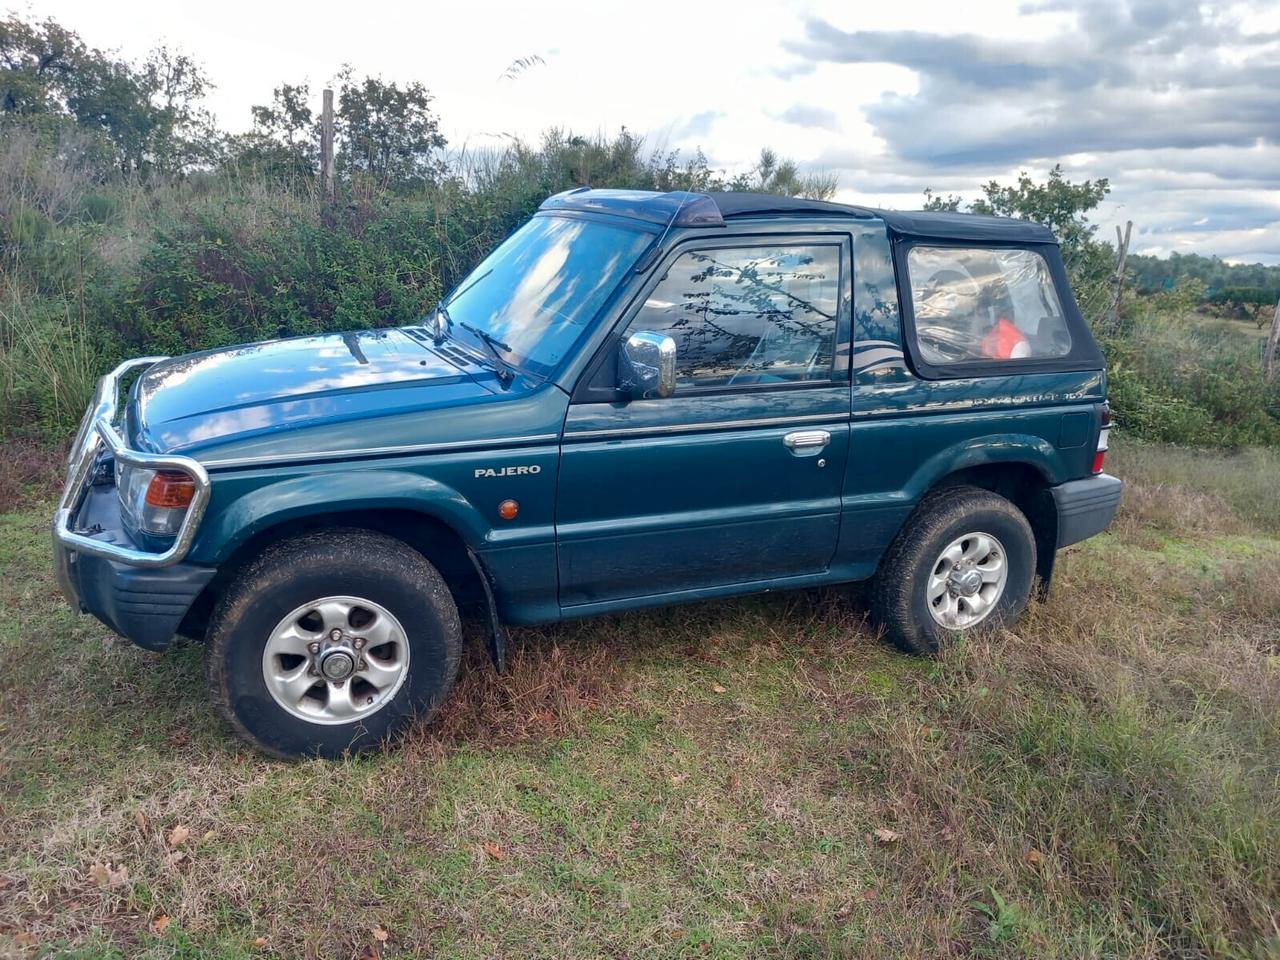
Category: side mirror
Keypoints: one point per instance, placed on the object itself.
(647, 365)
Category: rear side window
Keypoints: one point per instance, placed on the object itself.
(975, 304)
(748, 316)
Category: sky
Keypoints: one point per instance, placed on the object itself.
(1176, 103)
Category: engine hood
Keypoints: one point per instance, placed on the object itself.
(268, 392)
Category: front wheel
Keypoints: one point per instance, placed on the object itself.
(965, 559)
(331, 642)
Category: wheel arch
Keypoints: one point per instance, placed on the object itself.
(1026, 485)
(437, 540)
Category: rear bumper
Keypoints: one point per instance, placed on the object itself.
(1085, 507)
(144, 605)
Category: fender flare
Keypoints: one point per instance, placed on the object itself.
(237, 522)
(989, 450)
(1010, 449)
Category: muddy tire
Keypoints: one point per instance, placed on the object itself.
(965, 560)
(332, 642)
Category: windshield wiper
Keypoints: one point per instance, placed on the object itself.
(505, 371)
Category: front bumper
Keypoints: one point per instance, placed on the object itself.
(143, 604)
(1085, 507)
(141, 594)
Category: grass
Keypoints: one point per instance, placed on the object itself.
(706, 780)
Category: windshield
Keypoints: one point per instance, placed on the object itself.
(536, 293)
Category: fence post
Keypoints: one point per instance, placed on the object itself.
(326, 144)
(1117, 281)
(1269, 365)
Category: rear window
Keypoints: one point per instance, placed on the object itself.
(984, 304)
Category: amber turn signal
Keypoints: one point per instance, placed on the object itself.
(171, 489)
(508, 509)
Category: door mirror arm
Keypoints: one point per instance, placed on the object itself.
(647, 366)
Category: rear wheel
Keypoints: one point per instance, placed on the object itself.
(332, 642)
(965, 560)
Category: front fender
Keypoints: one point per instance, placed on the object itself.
(240, 508)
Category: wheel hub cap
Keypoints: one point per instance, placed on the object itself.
(336, 660)
(967, 582)
(337, 664)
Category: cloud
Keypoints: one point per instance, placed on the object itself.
(699, 125)
(1175, 102)
(805, 115)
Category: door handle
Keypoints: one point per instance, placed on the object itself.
(807, 441)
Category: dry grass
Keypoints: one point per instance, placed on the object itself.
(30, 473)
(704, 780)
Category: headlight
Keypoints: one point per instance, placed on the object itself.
(154, 501)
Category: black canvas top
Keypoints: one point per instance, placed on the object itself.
(927, 224)
(682, 209)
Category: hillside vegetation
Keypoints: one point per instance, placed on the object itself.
(129, 224)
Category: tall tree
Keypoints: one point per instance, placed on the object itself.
(388, 132)
(148, 113)
(1064, 207)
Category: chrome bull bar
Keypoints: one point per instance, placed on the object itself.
(98, 433)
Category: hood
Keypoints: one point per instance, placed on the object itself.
(263, 390)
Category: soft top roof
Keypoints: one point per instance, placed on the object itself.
(684, 209)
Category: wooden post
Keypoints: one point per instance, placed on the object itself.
(1270, 367)
(1117, 281)
(326, 144)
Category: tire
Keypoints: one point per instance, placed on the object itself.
(262, 649)
(914, 567)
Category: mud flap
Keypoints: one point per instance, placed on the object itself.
(497, 633)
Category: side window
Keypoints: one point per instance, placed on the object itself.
(984, 304)
(748, 315)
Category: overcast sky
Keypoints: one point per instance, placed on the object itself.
(1177, 103)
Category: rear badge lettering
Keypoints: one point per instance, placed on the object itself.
(508, 471)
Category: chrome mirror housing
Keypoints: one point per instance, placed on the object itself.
(647, 365)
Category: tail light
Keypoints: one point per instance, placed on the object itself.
(1103, 437)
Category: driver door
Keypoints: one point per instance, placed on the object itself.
(736, 477)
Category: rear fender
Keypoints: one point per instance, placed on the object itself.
(1011, 448)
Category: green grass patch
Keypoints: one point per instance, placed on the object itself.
(736, 779)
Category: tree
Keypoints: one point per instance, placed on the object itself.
(147, 114)
(388, 133)
(773, 174)
(1064, 207)
(284, 138)
(37, 59)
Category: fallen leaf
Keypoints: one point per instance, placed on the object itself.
(677, 933)
(495, 851)
(885, 835)
(178, 834)
(719, 689)
(178, 738)
(140, 819)
(1034, 857)
(260, 942)
(104, 876)
(26, 939)
(868, 895)
(209, 837)
(160, 922)
(734, 782)
(369, 953)
(379, 934)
